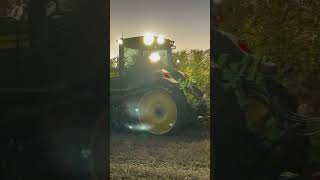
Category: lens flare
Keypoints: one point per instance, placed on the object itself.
(160, 40)
(120, 41)
(154, 57)
(148, 39)
(138, 127)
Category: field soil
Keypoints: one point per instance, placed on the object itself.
(144, 156)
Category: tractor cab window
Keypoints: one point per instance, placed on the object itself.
(137, 58)
(131, 57)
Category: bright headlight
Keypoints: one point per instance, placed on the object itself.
(154, 57)
(120, 41)
(148, 39)
(160, 40)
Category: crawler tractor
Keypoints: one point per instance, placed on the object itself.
(146, 92)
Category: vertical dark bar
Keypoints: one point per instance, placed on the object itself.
(95, 16)
(108, 91)
(37, 20)
(212, 95)
(38, 41)
(79, 110)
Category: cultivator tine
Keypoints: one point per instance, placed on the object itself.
(301, 123)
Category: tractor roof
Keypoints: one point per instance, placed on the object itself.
(137, 43)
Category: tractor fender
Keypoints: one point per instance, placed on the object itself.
(167, 76)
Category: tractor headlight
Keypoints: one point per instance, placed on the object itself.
(160, 40)
(148, 39)
(154, 57)
(120, 41)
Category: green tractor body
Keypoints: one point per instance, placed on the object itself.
(145, 83)
(52, 93)
(262, 114)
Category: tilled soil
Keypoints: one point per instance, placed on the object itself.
(143, 156)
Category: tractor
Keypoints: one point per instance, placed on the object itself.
(146, 87)
(256, 114)
(52, 93)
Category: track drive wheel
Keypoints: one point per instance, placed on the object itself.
(163, 111)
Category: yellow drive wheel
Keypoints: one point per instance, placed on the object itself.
(158, 111)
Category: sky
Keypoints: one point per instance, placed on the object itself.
(187, 22)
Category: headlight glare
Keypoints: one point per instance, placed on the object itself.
(148, 39)
(120, 41)
(160, 40)
(154, 57)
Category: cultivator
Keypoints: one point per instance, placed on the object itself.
(252, 78)
(270, 111)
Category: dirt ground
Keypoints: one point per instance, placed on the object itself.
(143, 156)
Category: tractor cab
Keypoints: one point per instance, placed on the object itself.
(143, 59)
(145, 85)
(145, 54)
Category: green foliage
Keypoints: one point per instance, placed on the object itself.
(286, 32)
(196, 65)
(185, 87)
